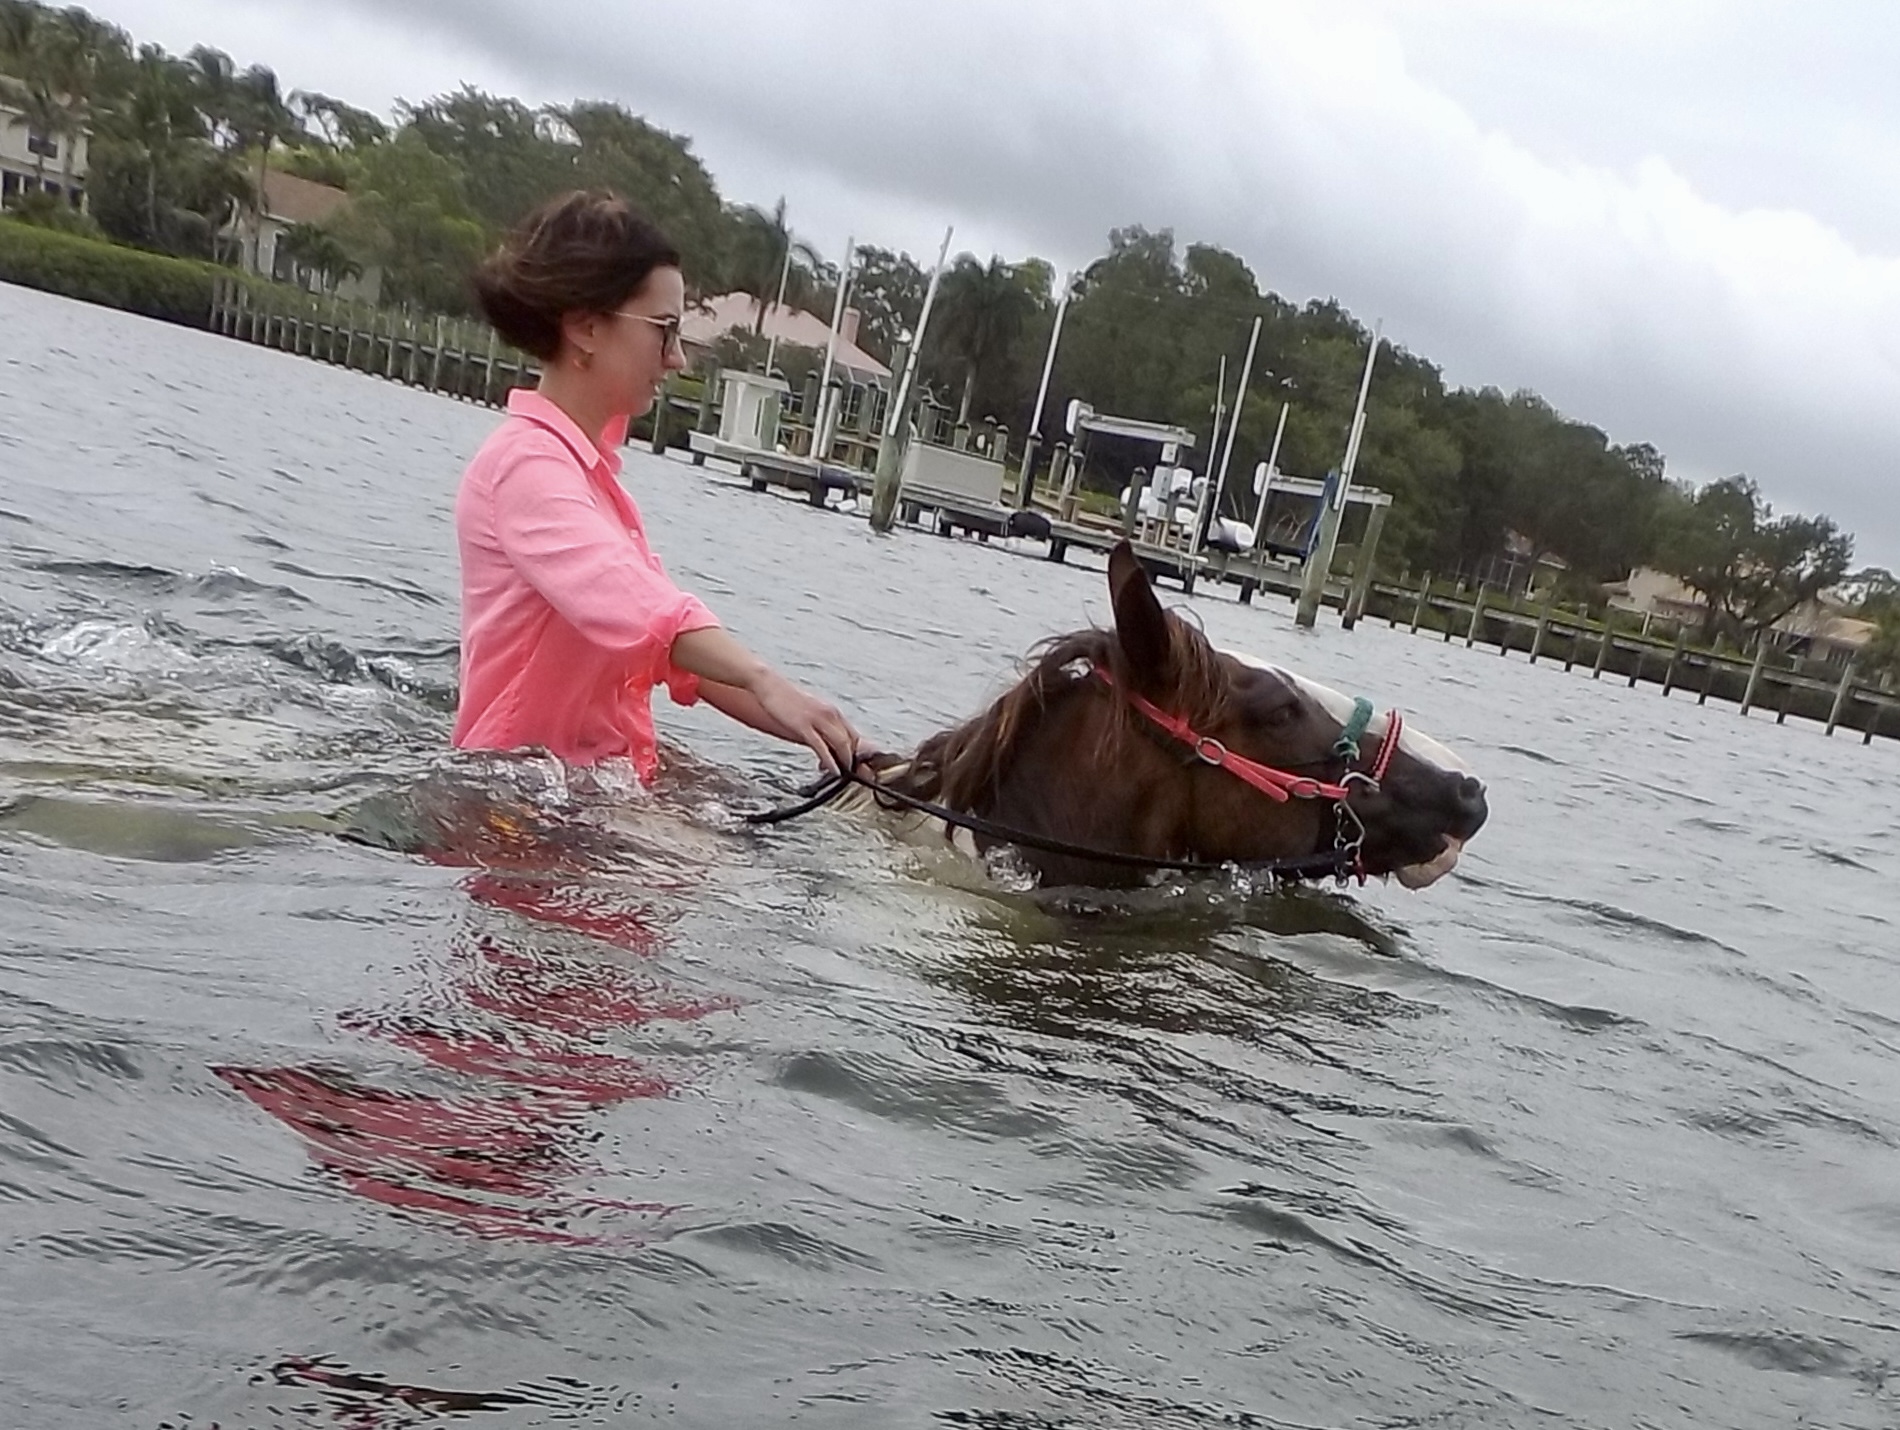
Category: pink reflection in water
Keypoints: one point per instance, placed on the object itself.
(527, 1025)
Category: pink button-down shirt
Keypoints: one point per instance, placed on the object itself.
(568, 619)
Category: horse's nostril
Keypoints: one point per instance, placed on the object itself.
(1471, 807)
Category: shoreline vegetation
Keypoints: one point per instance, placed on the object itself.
(180, 148)
(461, 358)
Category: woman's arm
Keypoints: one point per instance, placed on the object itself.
(743, 706)
(738, 683)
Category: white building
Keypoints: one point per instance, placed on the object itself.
(31, 161)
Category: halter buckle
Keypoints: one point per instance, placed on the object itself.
(1212, 751)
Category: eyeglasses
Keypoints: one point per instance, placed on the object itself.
(669, 327)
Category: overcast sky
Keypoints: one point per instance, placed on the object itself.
(1676, 219)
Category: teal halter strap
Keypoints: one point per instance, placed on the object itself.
(1347, 745)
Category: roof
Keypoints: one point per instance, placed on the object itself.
(1822, 624)
(289, 199)
(713, 318)
(1650, 590)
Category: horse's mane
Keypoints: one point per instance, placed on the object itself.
(964, 768)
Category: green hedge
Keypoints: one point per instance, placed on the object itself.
(175, 289)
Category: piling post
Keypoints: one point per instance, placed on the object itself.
(1787, 694)
(1362, 568)
(1543, 625)
(1754, 674)
(1026, 473)
(1477, 616)
(1062, 481)
(888, 475)
(435, 362)
(1841, 694)
(1605, 639)
(1675, 657)
(1875, 710)
(661, 405)
(1131, 513)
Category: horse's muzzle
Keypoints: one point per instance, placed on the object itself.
(1469, 810)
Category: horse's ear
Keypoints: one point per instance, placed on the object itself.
(1140, 624)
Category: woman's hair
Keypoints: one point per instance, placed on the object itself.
(584, 252)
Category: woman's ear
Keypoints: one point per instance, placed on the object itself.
(580, 336)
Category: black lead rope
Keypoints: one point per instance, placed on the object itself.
(1339, 864)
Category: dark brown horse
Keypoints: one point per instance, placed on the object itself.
(1106, 743)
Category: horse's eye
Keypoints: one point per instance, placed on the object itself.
(1279, 717)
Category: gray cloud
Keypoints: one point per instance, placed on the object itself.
(1677, 221)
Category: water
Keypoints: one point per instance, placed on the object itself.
(605, 1110)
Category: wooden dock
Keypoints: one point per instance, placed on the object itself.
(1621, 649)
(455, 356)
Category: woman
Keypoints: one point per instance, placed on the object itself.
(568, 618)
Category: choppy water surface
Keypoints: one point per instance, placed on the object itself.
(603, 1111)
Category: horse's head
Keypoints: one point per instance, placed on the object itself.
(1105, 746)
(1416, 816)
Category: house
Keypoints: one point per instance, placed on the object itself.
(713, 318)
(288, 202)
(1656, 595)
(1820, 632)
(32, 161)
(1519, 569)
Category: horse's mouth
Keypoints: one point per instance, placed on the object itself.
(1419, 876)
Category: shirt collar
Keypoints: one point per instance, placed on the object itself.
(528, 403)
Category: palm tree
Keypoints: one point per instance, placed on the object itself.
(26, 51)
(981, 312)
(320, 251)
(39, 112)
(79, 49)
(158, 120)
(214, 79)
(339, 125)
(762, 245)
(259, 120)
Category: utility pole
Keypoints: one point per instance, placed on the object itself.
(1042, 395)
(890, 454)
(821, 430)
(1210, 494)
(1319, 564)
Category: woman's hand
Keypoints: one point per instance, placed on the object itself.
(810, 721)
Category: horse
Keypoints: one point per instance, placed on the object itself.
(1147, 745)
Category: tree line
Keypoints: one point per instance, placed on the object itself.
(180, 147)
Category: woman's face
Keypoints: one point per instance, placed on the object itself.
(634, 347)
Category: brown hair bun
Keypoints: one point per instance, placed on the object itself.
(584, 252)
